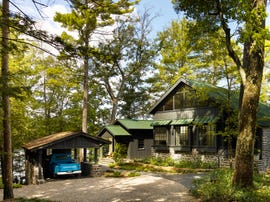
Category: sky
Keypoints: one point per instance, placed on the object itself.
(162, 9)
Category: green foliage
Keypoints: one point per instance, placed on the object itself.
(189, 53)
(159, 161)
(85, 18)
(116, 173)
(120, 152)
(166, 165)
(121, 66)
(15, 185)
(194, 163)
(133, 174)
(217, 186)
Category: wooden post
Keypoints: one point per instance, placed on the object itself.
(95, 155)
(40, 168)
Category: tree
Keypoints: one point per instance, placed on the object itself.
(84, 19)
(249, 17)
(189, 54)
(6, 155)
(122, 66)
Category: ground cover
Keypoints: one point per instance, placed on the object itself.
(166, 165)
(217, 186)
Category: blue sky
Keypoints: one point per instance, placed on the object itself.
(164, 11)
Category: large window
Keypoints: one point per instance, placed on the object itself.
(181, 136)
(181, 99)
(160, 136)
(206, 135)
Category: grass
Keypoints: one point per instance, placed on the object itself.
(15, 185)
(217, 186)
(166, 165)
(116, 173)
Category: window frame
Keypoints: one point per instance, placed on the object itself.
(141, 144)
(162, 137)
(206, 135)
(181, 135)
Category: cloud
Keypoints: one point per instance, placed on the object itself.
(47, 23)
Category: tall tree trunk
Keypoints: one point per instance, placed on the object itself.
(7, 145)
(83, 152)
(85, 96)
(253, 63)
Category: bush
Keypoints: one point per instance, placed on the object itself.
(196, 163)
(217, 186)
(120, 152)
(133, 174)
(159, 161)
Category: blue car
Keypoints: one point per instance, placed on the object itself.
(63, 164)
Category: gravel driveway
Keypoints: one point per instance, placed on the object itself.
(146, 187)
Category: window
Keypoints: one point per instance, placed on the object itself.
(179, 100)
(206, 135)
(160, 137)
(183, 98)
(181, 136)
(169, 104)
(140, 143)
(190, 99)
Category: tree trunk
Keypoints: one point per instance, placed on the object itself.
(114, 110)
(253, 63)
(85, 96)
(7, 145)
(243, 173)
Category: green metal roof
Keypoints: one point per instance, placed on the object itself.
(117, 130)
(136, 124)
(205, 119)
(161, 123)
(219, 95)
(181, 122)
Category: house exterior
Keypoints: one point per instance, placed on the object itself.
(137, 135)
(189, 121)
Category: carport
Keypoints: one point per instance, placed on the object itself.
(37, 151)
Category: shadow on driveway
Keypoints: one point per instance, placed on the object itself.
(147, 187)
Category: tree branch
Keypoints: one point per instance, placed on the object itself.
(230, 49)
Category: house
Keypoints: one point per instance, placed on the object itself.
(137, 135)
(189, 121)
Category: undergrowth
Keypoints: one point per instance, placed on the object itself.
(217, 186)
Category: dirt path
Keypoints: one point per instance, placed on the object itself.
(147, 187)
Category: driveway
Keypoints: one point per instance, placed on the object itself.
(146, 187)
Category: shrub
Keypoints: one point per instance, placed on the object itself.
(120, 152)
(217, 186)
(133, 174)
(196, 163)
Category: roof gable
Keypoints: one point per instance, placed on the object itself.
(51, 140)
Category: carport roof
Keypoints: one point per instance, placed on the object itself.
(50, 140)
